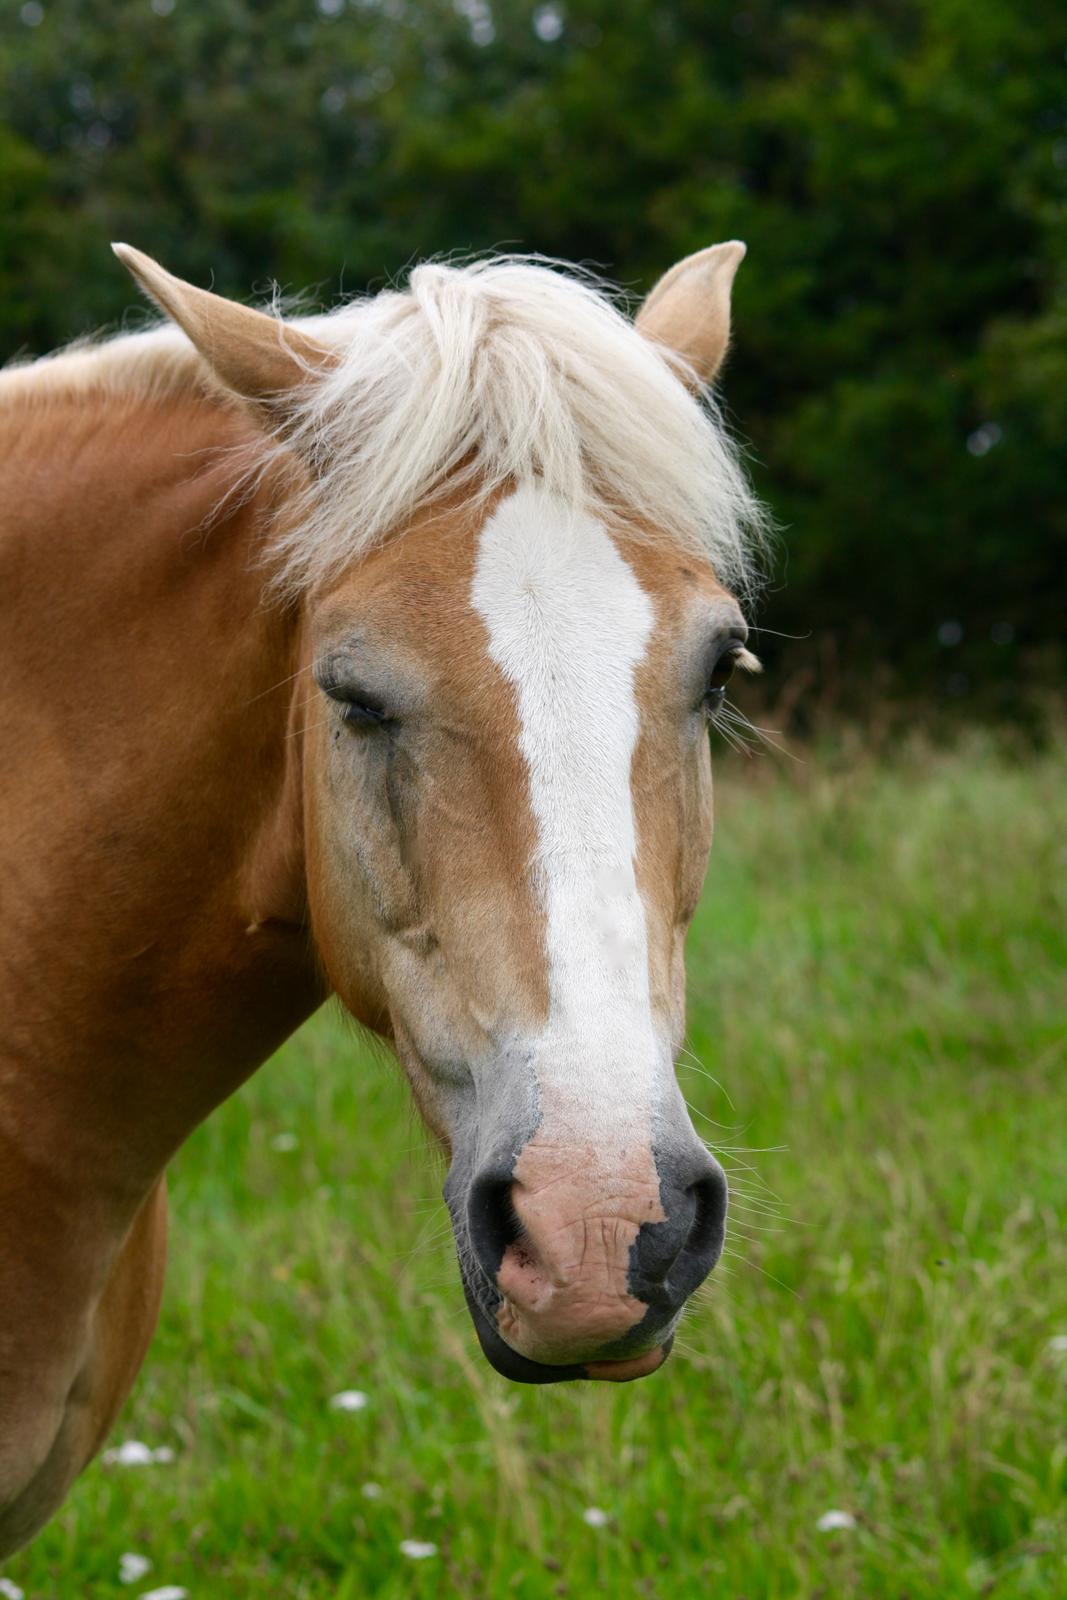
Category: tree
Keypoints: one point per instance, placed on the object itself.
(898, 170)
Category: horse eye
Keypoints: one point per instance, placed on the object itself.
(721, 674)
(358, 709)
(364, 714)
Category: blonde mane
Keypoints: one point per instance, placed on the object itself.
(503, 370)
(152, 364)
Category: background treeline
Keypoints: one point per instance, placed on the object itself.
(899, 170)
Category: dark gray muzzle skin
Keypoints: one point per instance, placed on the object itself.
(668, 1259)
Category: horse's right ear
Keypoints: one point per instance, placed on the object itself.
(261, 358)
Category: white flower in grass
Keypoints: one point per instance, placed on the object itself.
(284, 1142)
(835, 1521)
(132, 1567)
(130, 1454)
(349, 1400)
(593, 1517)
(134, 1453)
(9, 1590)
(169, 1591)
(1058, 1344)
(371, 1491)
(417, 1549)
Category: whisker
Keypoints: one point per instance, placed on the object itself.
(281, 682)
(770, 1212)
(695, 1111)
(421, 1245)
(308, 728)
(733, 1164)
(733, 717)
(731, 739)
(748, 1262)
(696, 1065)
(755, 1149)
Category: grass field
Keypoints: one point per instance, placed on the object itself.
(878, 983)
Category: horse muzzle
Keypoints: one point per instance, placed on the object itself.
(578, 1266)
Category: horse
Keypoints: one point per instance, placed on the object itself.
(367, 654)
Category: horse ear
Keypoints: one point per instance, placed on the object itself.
(261, 358)
(688, 311)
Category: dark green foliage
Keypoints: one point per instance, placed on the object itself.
(899, 171)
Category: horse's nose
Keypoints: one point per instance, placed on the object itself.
(662, 1261)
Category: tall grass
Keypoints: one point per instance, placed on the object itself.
(878, 1037)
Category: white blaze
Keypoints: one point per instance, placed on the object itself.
(568, 625)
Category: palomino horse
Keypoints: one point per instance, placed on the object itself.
(373, 654)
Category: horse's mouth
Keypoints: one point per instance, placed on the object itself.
(521, 1369)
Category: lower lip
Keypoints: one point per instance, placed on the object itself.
(624, 1371)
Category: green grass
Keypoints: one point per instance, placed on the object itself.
(878, 979)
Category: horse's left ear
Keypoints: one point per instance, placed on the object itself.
(688, 311)
(261, 358)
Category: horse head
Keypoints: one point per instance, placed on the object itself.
(513, 522)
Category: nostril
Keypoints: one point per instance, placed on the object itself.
(491, 1219)
(673, 1257)
(706, 1234)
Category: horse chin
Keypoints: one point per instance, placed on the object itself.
(521, 1369)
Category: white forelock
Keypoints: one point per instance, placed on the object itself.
(507, 371)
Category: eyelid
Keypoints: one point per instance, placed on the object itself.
(324, 672)
(352, 694)
(734, 646)
(362, 713)
(357, 706)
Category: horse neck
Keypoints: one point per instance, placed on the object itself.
(154, 947)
